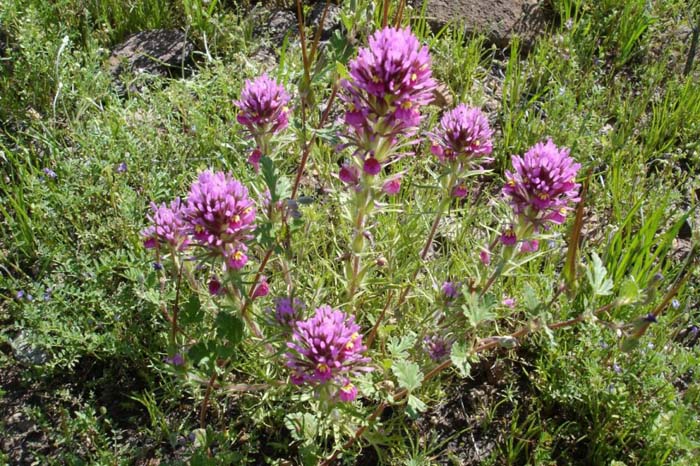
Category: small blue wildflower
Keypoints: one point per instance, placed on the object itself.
(604, 345)
(177, 360)
(650, 318)
(676, 304)
(121, 168)
(157, 266)
(616, 368)
(694, 331)
(47, 294)
(30, 298)
(50, 173)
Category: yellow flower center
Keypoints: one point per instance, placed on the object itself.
(236, 218)
(238, 255)
(406, 105)
(321, 367)
(414, 77)
(511, 182)
(351, 344)
(375, 79)
(199, 229)
(543, 196)
(348, 388)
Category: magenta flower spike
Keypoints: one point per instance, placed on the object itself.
(326, 348)
(390, 80)
(542, 188)
(168, 226)
(263, 106)
(221, 216)
(464, 135)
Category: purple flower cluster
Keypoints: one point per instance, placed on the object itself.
(221, 216)
(464, 135)
(389, 81)
(543, 186)
(168, 226)
(327, 348)
(218, 215)
(287, 311)
(438, 347)
(263, 106)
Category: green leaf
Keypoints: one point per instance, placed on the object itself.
(460, 355)
(229, 327)
(408, 374)
(200, 352)
(302, 426)
(478, 310)
(414, 407)
(192, 311)
(398, 347)
(629, 292)
(342, 70)
(530, 299)
(598, 277)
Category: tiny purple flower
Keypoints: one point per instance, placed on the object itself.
(19, 295)
(459, 191)
(508, 237)
(392, 185)
(616, 368)
(254, 159)
(347, 392)
(485, 257)
(157, 266)
(508, 302)
(215, 287)
(50, 173)
(530, 245)
(349, 175)
(177, 360)
(121, 168)
(262, 289)
(372, 166)
(450, 290)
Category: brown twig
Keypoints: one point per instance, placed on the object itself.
(309, 145)
(373, 333)
(385, 13)
(399, 14)
(205, 402)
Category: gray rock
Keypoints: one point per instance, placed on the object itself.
(499, 20)
(330, 23)
(279, 24)
(27, 353)
(162, 52)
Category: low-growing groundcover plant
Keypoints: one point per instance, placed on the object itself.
(334, 262)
